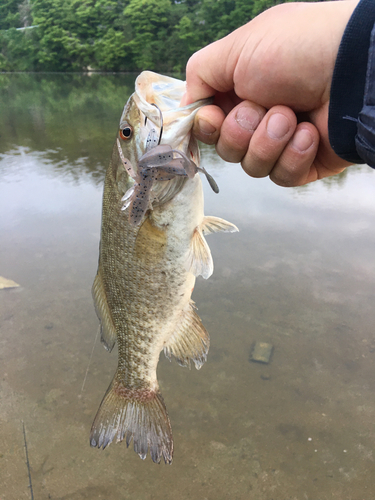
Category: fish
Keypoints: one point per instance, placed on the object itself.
(152, 248)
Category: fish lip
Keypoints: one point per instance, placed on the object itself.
(152, 112)
(200, 103)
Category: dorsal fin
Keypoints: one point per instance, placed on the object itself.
(190, 341)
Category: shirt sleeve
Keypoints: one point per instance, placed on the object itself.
(365, 138)
(348, 123)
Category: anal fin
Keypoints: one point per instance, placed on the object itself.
(190, 341)
(107, 328)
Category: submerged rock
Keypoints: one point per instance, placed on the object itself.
(261, 352)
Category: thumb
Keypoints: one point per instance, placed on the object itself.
(211, 70)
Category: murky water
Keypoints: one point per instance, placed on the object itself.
(300, 275)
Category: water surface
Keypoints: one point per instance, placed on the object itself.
(300, 275)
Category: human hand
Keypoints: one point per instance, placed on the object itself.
(271, 80)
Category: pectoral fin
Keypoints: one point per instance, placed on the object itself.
(190, 342)
(212, 224)
(108, 332)
(199, 260)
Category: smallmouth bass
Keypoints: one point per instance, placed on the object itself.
(152, 248)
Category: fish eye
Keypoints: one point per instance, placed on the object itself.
(126, 133)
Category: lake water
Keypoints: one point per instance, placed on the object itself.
(299, 275)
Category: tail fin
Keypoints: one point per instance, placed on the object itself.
(138, 414)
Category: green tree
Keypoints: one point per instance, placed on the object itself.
(111, 46)
(69, 31)
(148, 20)
(18, 50)
(111, 52)
(9, 14)
(213, 19)
(115, 35)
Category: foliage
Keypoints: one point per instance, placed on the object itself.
(114, 35)
(9, 14)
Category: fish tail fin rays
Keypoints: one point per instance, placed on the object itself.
(190, 342)
(212, 224)
(107, 328)
(139, 415)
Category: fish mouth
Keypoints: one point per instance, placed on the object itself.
(157, 95)
(166, 92)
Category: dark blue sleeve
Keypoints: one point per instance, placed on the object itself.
(350, 117)
(365, 138)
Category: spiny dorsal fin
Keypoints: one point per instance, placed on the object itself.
(107, 328)
(190, 342)
(212, 224)
(199, 260)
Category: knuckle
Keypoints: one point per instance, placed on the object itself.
(283, 181)
(263, 155)
(258, 162)
(230, 155)
(254, 168)
(206, 139)
(287, 175)
(193, 62)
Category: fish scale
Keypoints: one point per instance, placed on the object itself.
(147, 270)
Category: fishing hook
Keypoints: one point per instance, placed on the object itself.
(161, 121)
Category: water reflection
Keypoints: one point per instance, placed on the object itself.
(72, 118)
(299, 275)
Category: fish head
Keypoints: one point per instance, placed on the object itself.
(153, 111)
(153, 117)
